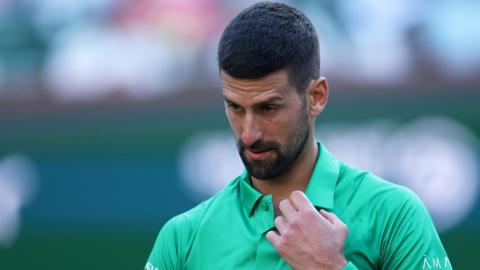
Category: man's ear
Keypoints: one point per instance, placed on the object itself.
(317, 94)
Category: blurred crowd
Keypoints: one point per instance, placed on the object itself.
(93, 50)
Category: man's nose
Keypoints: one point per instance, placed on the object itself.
(251, 130)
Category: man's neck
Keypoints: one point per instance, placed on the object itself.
(296, 178)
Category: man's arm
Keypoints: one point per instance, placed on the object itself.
(410, 240)
(165, 253)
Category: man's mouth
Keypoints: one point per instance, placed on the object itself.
(258, 154)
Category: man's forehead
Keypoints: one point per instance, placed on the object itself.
(258, 99)
(273, 82)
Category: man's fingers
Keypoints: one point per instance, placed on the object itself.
(287, 209)
(300, 201)
(332, 218)
(335, 221)
(273, 238)
(280, 224)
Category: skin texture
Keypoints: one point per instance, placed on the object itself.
(306, 238)
(267, 110)
(271, 120)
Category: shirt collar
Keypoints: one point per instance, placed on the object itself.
(320, 189)
(248, 194)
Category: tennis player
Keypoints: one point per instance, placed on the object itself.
(295, 206)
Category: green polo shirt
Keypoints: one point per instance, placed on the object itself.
(389, 226)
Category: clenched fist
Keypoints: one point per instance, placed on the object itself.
(307, 238)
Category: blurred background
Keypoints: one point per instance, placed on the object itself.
(112, 121)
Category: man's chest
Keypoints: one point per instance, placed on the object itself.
(234, 241)
(239, 244)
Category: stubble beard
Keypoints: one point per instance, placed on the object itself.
(282, 158)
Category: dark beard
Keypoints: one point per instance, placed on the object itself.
(279, 164)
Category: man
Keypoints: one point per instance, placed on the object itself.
(293, 204)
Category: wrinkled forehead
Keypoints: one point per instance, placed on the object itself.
(274, 84)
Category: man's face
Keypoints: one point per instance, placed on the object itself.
(270, 122)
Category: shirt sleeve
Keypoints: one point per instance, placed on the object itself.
(165, 254)
(411, 240)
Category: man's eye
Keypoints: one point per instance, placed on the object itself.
(269, 109)
(234, 107)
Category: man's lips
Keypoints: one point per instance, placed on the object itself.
(258, 154)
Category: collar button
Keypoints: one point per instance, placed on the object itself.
(265, 206)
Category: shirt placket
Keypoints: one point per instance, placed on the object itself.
(266, 255)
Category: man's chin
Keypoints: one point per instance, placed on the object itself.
(261, 176)
(258, 165)
(261, 172)
(260, 169)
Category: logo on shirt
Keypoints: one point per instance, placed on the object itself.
(150, 266)
(435, 262)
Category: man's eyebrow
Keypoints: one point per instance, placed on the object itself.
(272, 100)
(269, 100)
(228, 100)
(266, 101)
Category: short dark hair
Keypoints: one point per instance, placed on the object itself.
(268, 37)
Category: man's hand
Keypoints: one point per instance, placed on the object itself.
(306, 238)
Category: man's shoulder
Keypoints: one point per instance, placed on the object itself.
(368, 187)
(177, 235)
(192, 218)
